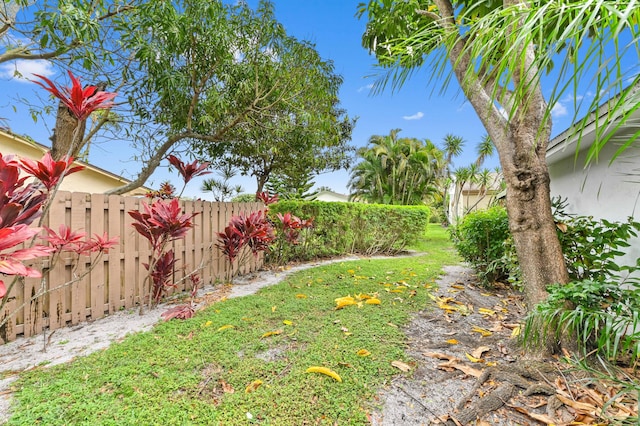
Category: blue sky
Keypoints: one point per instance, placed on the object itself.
(336, 32)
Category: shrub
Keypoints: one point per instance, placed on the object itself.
(341, 228)
(602, 315)
(480, 239)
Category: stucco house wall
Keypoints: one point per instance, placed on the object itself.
(603, 189)
(92, 179)
(331, 196)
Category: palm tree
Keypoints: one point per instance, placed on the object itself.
(485, 149)
(396, 170)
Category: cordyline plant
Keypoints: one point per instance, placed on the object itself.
(23, 201)
(253, 231)
(161, 223)
(257, 233)
(288, 230)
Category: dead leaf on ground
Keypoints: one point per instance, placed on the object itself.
(401, 366)
(253, 386)
(477, 352)
(272, 333)
(226, 387)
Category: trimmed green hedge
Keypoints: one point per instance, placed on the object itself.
(341, 228)
(479, 239)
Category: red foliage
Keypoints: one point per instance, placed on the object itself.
(19, 203)
(162, 222)
(11, 263)
(188, 170)
(66, 239)
(291, 226)
(230, 241)
(81, 102)
(166, 192)
(48, 171)
(266, 198)
(161, 274)
(179, 312)
(256, 230)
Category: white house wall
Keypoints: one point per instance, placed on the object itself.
(601, 190)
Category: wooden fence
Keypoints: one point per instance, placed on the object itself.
(117, 280)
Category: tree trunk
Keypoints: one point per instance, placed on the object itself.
(63, 142)
(533, 228)
(521, 141)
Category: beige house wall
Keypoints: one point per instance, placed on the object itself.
(92, 180)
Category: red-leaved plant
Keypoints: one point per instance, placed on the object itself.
(266, 198)
(161, 223)
(253, 231)
(288, 229)
(80, 101)
(23, 200)
(21, 203)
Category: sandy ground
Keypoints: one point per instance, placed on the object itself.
(65, 344)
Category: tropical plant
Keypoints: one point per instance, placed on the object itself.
(397, 170)
(22, 201)
(221, 188)
(498, 52)
(602, 314)
(161, 223)
(254, 231)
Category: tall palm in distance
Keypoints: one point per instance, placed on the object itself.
(395, 170)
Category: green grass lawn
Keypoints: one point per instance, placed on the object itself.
(197, 371)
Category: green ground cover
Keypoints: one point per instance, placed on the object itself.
(199, 371)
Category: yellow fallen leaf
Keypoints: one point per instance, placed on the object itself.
(458, 286)
(253, 386)
(325, 371)
(491, 364)
(207, 324)
(452, 342)
(225, 327)
(341, 302)
(363, 352)
(372, 301)
(515, 332)
(401, 366)
(287, 322)
(363, 296)
(351, 271)
(271, 333)
(485, 311)
(473, 359)
(273, 308)
(301, 296)
(396, 290)
(483, 331)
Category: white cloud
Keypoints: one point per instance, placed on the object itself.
(367, 88)
(559, 110)
(417, 116)
(22, 70)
